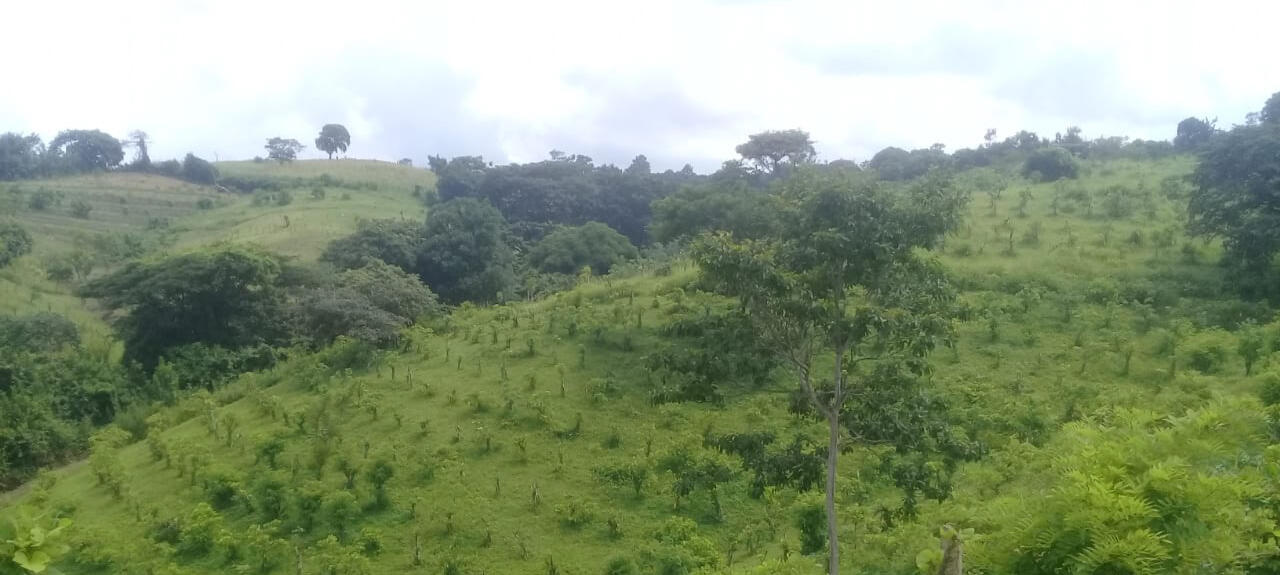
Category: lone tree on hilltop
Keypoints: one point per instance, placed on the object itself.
(283, 150)
(333, 138)
(776, 150)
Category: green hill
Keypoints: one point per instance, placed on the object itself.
(1094, 377)
(158, 213)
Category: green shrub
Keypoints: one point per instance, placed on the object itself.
(1207, 351)
(621, 566)
(1051, 164)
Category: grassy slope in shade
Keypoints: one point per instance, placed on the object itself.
(1045, 344)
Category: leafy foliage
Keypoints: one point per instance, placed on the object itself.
(225, 296)
(465, 254)
(1235, 199)
(1051, 164)
(594, 245)
(777, 151)
(396, 242)
(333, 138)
(283, 149)
(84, 151)
(199, 170)
(15, 242)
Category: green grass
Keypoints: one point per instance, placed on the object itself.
(1022, 368)
(120, 202)
(381, 174)
(167, 210)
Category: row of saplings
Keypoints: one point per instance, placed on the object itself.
(295, 500)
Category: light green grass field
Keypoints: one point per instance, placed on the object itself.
(1045, 342)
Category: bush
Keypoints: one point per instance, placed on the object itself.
(621, 566)
(81, 209)
(1270, 392)
(171, 168)
(1101, 291)
(15, 242)
(200, 171)
(41, 200)
(283, 198)
(204, 204)
(1050, 164)
(595, 245)
(1206, 352)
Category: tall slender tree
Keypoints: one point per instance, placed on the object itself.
(842, 279)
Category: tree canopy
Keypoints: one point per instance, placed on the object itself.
(85, 150)
(199, 170)
(1270, 113)
(283, 150)
(842, 274)
(775, 151)
(465, 254)
(565, 190)
(1237, 198)
(224, 296)
(1193, 133)
(1051, 164)
(333, 138)
(20, 155)
(569, 249)
(393, 241)
(371, 304)
(15, 242)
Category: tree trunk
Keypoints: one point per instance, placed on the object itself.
(833, 451)
(952, 557)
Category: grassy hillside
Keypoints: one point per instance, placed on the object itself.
(166, 213)
(118, 202)
(328, 197)
(1093, 327)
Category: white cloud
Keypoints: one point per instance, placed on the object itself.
(676, 80)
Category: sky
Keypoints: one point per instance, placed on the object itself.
(681, 81)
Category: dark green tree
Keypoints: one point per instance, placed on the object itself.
(225, 296)
(465, 253)
(15, 242)
(734, 207)
(198, 170)
(283, 150)
(1237, 198)
(1051, 164)
(843, 276)
(20, 156)
(371, 304)
(569, 249)
(84, 150)
(1193, 133)
(38, 332)
(333, 138)
(396, 242)
(1270, 113)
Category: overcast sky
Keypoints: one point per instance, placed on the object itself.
(680, 81)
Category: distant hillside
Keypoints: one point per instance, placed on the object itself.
(90, 213)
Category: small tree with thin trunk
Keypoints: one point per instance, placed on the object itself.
(842, 279)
